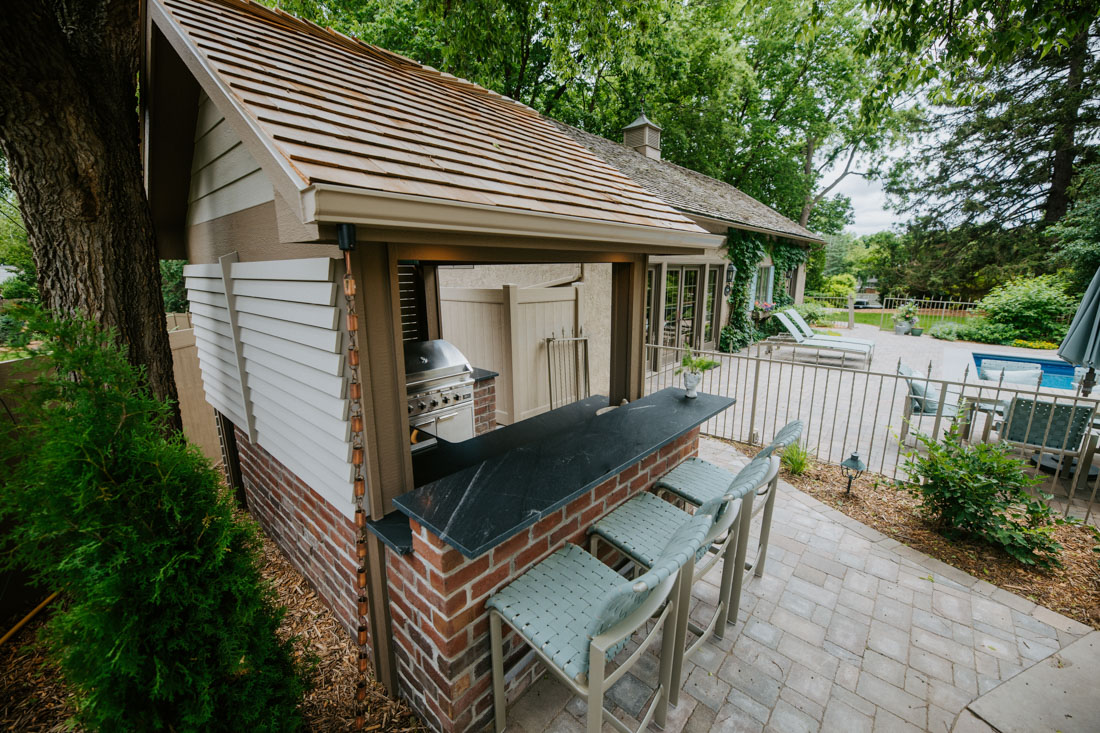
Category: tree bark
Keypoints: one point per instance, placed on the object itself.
(1065, 148)
(69, 129)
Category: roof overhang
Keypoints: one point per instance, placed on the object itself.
(323, 203)
(702, 218)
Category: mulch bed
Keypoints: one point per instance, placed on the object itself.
(34, 699)
(1072, 590)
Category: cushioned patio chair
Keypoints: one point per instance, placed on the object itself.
(696, 482)
(808, 332)
(1056, 430)
(924, 399)
(578, 614)
(641, 525)
(821, 346)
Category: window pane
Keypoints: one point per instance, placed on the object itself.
(711, 301)
(672, 301)
(649, 276)
(687, 310)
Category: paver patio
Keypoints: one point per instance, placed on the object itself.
(848, 630)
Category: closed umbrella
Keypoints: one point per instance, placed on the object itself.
(1081, 346)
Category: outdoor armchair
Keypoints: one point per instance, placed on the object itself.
(924, 398)
(638, 527)
(578, 614)
(808, 332)
(1057, 430)
(819, 345)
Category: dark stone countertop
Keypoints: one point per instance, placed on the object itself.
(480, 375)
(524, 472)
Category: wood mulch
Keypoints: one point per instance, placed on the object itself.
(1072, 590)
(34, 699)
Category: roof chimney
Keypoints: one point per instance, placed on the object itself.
(644, 136)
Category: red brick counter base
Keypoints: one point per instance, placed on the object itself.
(437, 599)
(318, 540)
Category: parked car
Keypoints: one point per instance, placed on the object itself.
(863, 304)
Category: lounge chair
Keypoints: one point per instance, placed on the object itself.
(925, 399)
(823, 346)
(808, 332)
(1011, 372)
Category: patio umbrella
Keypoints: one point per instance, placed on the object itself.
(1081, 346)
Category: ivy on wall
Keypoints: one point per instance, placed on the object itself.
(744, 251)
(786, 256)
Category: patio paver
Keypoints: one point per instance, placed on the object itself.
(847, 630)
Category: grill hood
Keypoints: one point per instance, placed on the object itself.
(428, 361)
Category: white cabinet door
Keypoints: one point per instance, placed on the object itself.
(457, 426)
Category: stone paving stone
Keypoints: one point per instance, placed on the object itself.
(816, 659)
(916, 683)
(894, 699)
(1034, 651)
(860, 582)
(951, 607)
(991, 612)
(797, 604)
(848, 633)
(630, 693)
(680, 715)
(804, 629)
(802, 703)
(747, 706)
(786, 718)
(965, 679)
(763, 632)
(707, 688)
(732, 719)
(894, 612)
(770, 661)
(931, 665)
(997, 647)
(709, 657)
(931, 622)
(947, 696)
(815, 593)
(848, 598)
(811, 684)
(810, 575)
(939, 720)
(887, 722)
(943, 647)
(882, 568)
(889, 640)
(822, 616)
(847, 675)
(563, 723)
(841, 717)
(752, 680)
(884, 668)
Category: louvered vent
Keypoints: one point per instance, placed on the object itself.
(411, 289)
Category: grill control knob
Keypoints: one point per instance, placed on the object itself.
(446, 399)
(420, 406)
(435, 403)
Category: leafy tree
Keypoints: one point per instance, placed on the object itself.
(1078, 233)
(174, 289)
(167, 623)
(16, 253)
(840, 285)
(69, 132)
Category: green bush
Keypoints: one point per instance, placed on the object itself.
(172, 287)
(981, 491)
(167, 623)
(814, 313)
(797, 459)
(946, 330)
(732, 339)
(1034, 309)
(841, 285)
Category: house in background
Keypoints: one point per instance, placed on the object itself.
(687, 297)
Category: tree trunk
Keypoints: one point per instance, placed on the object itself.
(69, 129)
(1065, 148)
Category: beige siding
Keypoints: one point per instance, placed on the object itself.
(288, 385)
(224, 177)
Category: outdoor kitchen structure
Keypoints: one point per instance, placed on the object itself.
(316, 184)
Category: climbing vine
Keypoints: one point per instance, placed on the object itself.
(744, 251)
(786, 256)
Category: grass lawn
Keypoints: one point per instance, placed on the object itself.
(884, 319)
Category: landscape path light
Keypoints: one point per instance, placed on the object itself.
(853, 468)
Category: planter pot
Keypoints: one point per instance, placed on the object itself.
(691, 381)
(916, 332)
(902, 328)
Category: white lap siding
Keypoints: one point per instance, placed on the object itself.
(290, 337)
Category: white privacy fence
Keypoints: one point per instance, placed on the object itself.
(875, 414)
(930, 311)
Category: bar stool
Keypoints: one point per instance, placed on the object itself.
(646, 522)
(577, 614)
(696, 482)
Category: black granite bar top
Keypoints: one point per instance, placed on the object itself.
(480, 375)
(548, 464)
(394, 531)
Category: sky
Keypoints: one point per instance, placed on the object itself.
(869, 203)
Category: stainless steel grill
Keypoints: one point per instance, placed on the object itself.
(440, 389)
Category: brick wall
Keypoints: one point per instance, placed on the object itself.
(317, 539)
(485, 406)
(437, 598)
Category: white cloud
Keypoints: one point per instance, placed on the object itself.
(869, 203)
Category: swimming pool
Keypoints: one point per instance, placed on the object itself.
(1057, 374)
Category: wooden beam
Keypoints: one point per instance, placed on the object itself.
(444, 250)
(627, 329)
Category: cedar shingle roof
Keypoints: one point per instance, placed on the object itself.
(690, 191)
(348, 113)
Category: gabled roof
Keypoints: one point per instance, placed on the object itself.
(691, 192)
(335, 114)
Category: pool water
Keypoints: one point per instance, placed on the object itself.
(1057, 374)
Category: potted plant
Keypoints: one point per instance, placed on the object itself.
(692, 367)
(905, 318)
(762, 310)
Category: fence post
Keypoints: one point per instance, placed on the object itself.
(851, 310)
(755, 388)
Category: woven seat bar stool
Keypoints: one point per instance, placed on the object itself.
(578, 614)
(696, 482)
(646, 522)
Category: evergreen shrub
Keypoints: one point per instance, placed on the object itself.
(167, 624)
